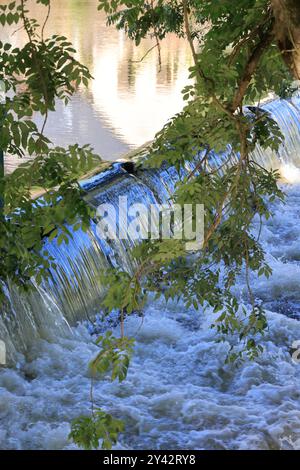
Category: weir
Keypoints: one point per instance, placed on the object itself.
(73, 292)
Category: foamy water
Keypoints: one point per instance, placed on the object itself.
(179, 393)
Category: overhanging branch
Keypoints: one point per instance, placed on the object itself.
(266, 37)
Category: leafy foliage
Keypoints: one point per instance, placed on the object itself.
(88, 431)
(236, 60)
(34, 76)
(115, 356)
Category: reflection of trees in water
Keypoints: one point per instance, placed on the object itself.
(174, 54)
(129, 98)
(86, 27)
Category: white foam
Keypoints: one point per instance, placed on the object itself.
(179, 393)
(290, 173)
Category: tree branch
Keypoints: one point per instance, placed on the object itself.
(287, 32)
(266, 38)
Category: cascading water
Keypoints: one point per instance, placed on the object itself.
(179, 393)
(74, 288)
(287, 114)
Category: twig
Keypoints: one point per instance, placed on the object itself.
(145, 55)
(122, 322)
(199, 165)
(46, 20)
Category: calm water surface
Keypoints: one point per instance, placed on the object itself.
(127, 102)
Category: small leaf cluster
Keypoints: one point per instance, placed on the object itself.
(114, 358)
(88, 431)
(10, 13)
(138, 18)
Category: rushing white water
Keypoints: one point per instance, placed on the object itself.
(179, 393)
(75, 286)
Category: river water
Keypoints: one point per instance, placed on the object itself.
(128, 101)
(179, 393)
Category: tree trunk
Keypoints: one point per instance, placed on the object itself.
(287, 32)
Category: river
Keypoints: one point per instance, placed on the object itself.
(179, 393)
(128, 101)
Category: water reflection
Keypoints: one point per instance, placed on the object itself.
(128, 101)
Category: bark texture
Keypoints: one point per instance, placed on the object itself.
(287, 32)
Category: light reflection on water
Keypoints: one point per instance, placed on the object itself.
(128, 102)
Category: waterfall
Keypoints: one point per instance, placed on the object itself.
(73, 291)
(287, 114)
